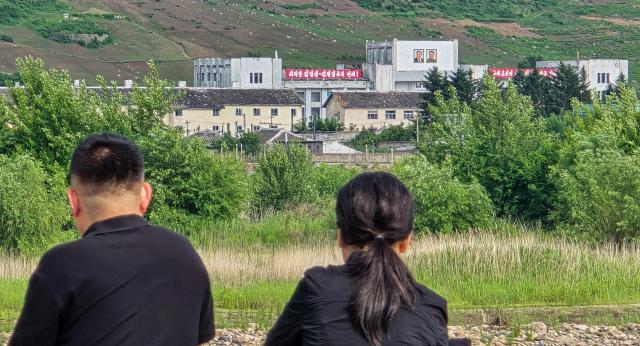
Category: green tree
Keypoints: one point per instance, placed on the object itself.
(434, 81)
(282, 176)
(530, 61)
(567, 85)
(499, 143)
(462, 81)
(33, 207)
(540, 90)
(443, 203)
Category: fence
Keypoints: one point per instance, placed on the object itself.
(360, 159)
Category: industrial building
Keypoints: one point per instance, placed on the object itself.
(402, 65)
(239, 73)
(600, 73)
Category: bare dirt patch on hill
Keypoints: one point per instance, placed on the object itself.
(614, 20)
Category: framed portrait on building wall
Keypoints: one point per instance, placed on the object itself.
(432, 55)
(418, 56)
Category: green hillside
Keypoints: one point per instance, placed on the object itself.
(114, 38)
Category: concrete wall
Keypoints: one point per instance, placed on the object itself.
(228, 121)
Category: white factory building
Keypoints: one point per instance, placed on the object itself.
(600, 72)
(401, 65)
(238, 73)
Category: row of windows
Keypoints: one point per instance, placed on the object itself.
(255, 78)
(239, 128)
(388, 114)
(604, 78)
(256, 112)
(315, 96)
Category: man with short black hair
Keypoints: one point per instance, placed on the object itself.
(125, 282)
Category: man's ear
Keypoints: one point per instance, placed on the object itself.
(74, 202)
(146, 193)
(340, 238)
(404, 244)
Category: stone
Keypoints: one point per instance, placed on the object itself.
(536, 327)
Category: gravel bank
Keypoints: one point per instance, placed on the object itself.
(532, 334)
(535, 334)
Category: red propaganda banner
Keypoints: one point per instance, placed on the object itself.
(322, 74)
(508, 73)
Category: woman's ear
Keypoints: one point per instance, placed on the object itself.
(404, 244)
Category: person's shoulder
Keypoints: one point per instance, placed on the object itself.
(319, 278)
(429, 298)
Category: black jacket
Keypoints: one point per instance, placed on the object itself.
(317, 315)
(124, 283)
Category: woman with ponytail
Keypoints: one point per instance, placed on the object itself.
(373, 298)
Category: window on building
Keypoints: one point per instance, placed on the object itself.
(419, 85)
(315, 112)
(216, 112)
(202, 76)
(315, 96)
(293, 112)
(274, 112)
(599, 80)
(303, 112)
(178, 112)
(208, 76)
(215, 127)
(238, 128)
(215, 75)
(372, 115)
(256, 112)
(255, 127)
(255, 77)
(408, 115)
(608, 78)
(301, 95)
(238, 111)
(390, 115)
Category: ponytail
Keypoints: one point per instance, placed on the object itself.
(384, 283)
(374, 211)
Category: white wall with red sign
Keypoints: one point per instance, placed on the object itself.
(508, 73)
(320, 74)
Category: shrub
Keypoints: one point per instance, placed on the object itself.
(443, 203)
(327, 180)
(32, 205)
(283, 176)
(600, 196)
(6, 38)
(188, 177)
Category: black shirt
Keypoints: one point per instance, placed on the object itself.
(317, 314)
(124, 282)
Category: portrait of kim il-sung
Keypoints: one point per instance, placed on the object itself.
(432, 55)
(418, 56)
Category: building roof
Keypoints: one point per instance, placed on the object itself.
(268, 136)
(368, 99)
(212, 98)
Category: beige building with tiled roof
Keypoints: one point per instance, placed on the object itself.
(362, 110)
(236, 110)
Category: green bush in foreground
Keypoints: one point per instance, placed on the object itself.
(283, 176)
(601, 194)
(32, 205)
(443, 203)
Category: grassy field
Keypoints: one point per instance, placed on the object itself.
(519, 277)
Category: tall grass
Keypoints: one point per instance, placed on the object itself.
(474, 270)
